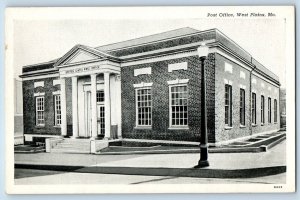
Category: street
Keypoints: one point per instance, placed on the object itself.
(266, 168)
(39, 177)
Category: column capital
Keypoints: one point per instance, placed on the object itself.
(93, 75)
(118, 77)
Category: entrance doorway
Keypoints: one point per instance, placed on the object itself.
(100, 114)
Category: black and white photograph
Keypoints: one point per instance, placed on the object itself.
(150, 100)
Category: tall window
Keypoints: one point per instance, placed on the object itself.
(39, 103)
(57, 110)
(242, 107)
(253, 106)
(228, 105)
(269, 110)
(179, 105)
(275, 110)
(262, 109)
(144, 107)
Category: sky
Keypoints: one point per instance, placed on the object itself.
(43, 40)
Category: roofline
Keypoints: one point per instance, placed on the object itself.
(96, 51)
(84, 48)
(193, 46)
(39, 72)
(145, 36)
(156, 41)
(250, 63)
(231, 40)
(43, 63)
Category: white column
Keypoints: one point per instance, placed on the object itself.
(118, 91)
(63, 107)
(75, 106)
(94, 104)
(107, 104)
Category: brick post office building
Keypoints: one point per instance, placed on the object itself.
(150, 88)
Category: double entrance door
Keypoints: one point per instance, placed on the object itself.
(100, 114)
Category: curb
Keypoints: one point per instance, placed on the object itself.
(262, 148)
(184, 151)
(276, 142)
(154, 171)
(31, 151)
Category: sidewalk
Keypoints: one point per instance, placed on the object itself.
(222, 165)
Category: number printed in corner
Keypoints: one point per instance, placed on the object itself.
(278, 186)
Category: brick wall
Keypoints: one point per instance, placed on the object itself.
(160, 99)
(29, 107)
(223, 134)
(210, 96)
(274, 94)
(237, 131)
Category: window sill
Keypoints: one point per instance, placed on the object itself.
(143, 127)
(179, 128)
(40, 126)
(275, 122)
(242, 126)
(254, 125)
(57, 126)
(228, 127)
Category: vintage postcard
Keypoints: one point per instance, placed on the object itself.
(150, 100)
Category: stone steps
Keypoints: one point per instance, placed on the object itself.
(70, 151)
(258, 141)
(72, 146)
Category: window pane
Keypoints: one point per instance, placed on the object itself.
(57, 111)
(40, 110)
(179, 102)
(100, 96)
(144, 107)
(253, 106)
(228, 105)
(242, 106)
(262, 109)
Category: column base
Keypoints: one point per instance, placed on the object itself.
(106, 138)
(202, 163)
(73, 137)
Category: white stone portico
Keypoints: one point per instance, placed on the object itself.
(96, 85)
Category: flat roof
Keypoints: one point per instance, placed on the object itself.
(148, 39)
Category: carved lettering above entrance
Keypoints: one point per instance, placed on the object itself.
(82, 69)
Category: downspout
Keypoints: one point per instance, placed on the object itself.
(250, 99)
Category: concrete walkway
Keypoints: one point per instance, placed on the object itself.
(222, 165)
